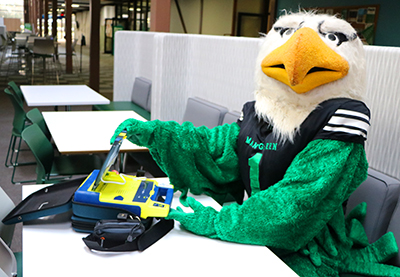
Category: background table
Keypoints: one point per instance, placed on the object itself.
(56, 250)
(62, 95)
(88, 131)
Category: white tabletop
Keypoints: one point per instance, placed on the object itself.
(62, 95)
(56, 250)
(88, 131)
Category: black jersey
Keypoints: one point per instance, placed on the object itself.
(265, 159)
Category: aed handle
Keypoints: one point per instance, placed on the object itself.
(160, 191)
(170, 195)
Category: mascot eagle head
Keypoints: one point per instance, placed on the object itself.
(305, 59)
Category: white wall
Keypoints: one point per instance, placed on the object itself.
(217, 17)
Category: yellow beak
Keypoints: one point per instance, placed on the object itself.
(304, 62)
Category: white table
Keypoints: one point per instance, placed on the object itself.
(62, 95)
(56, 250)
(88, 132)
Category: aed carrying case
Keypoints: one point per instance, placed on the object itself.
(105, 204)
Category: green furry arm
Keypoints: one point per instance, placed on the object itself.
(200, 159)
(292, 212)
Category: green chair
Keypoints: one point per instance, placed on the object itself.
(48, 165)
(140, 100)
(19, 123)
(17, 91)
(35, 116)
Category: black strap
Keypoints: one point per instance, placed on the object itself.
(141, 243)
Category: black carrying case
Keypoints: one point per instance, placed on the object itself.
(51, 200)
(57, 199)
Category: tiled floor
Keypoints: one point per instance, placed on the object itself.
(18, 68)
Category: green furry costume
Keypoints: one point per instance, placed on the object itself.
(300, 218)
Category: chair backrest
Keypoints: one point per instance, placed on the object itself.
(35, 116)
(6, 205)
(30, 42)
(141, 93)
(8, 262)
(17, 91)
(19, 113)
(43, 46)
(201, 112)
(41, 149)
(380, 192)
(230, 117)
(394, 227)
(74, 45)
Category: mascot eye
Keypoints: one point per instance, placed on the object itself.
(284, 31)
(337, 37)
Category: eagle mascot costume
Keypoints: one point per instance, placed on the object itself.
(297, 150)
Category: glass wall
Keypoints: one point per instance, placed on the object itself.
(12, 9)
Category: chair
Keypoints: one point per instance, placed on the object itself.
(9, 261)
(44, 48)
(394, 226)
(380, 192)
(202, 112)
(17, 91)
(140, 100)
(230, 117)
(48, 165)
(198, 111)
(6, 205)
(19, 123)
(72, 50)
(35, 116)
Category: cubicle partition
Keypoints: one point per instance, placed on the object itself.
(133, 57)
(221, 70)
(383, 99)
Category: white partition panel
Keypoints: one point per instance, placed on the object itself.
(133, 57)
(383, 92)
(219, 69)
(222, 69)
(170, 87)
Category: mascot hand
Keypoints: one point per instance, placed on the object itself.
(129, 125)
(200, 222)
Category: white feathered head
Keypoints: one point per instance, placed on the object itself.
(305, 59)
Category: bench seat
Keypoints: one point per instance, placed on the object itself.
(123, 106)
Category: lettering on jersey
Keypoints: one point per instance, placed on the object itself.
(261, 146)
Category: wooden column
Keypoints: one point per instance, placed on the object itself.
(160, 15)
(34, 16)
(46, 17)
(26, 12)
(94, 63)
(54, 15)
(68, 35)
(40, 17)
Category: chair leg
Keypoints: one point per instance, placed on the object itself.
(20, 182)
(10, 149)
(17, 151)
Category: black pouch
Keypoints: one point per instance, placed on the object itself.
(127, 233)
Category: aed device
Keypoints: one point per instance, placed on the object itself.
(104, 189)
